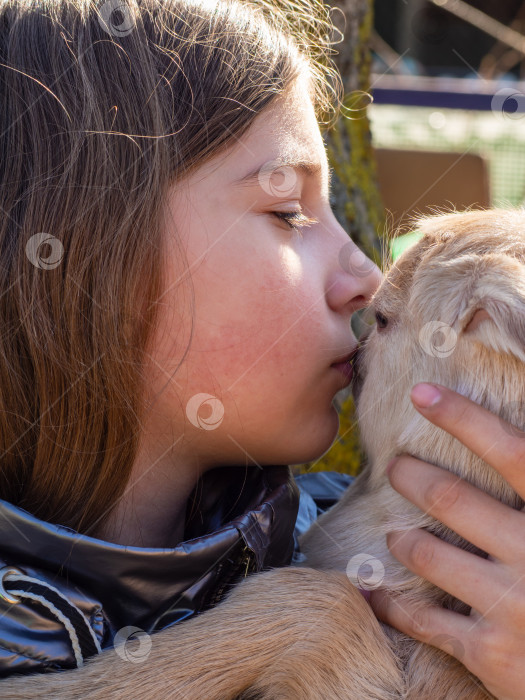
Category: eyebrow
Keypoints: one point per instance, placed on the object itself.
(308, 167)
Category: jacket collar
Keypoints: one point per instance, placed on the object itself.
(239, 519)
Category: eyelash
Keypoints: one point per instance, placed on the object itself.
(296, 220)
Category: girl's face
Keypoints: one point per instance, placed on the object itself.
(272, 306)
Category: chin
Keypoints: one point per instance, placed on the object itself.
(321, 436)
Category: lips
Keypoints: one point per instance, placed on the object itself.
(345, 368)
(345, 358)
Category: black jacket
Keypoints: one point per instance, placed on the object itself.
(76, 593)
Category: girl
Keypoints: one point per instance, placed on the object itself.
(173, 306)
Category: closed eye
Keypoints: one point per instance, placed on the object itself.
(294, 219)
(381, 321)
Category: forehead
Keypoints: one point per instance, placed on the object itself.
(286, 131)
(448, 238)
(396, 285)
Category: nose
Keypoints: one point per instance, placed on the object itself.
(354, 279)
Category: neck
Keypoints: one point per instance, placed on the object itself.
(131, 525)
(152, 510)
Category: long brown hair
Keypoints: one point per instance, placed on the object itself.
(103, 107)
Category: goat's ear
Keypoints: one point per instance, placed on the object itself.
(495, 310)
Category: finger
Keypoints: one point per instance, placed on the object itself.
(430, 624)
(477, 646)
(424, 622)
(486, 522)
(487, 435)
(476, 581)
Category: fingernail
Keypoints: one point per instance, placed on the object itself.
(425, 395)
(391, 537)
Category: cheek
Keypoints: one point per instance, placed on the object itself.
(256, 326)
(256, 309)
(264, 344)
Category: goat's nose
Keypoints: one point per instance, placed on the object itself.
(363, 335)
(357, 363)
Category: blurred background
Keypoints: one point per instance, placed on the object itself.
(433, 119)
(448, 116)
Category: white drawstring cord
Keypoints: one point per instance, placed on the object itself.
(13, 574)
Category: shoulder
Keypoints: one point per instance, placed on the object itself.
(325, 488)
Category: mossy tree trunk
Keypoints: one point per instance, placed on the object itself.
(356, 202)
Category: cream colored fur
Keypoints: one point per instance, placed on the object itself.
(466, 263)
(305, 633)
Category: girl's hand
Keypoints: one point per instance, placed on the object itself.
(490, 642)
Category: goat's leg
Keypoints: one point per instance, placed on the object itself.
(283, 634)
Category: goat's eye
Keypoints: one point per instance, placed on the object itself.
(382, 321)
